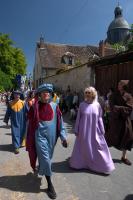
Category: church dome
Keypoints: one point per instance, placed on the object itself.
(118, 29)
(119, 21)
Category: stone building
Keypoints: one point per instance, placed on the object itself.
(51, 59)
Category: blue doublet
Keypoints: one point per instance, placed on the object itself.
(45, 138)
(16, 111)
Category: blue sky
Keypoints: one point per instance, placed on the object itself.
(78, 22)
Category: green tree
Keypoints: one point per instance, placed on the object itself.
(126, 45)
(130, 43)
(20, 62)
(130, 46)
(5, 82)
(119, 47)
(12, 59)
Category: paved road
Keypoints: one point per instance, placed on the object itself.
(18, 183)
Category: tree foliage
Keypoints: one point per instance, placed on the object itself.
(12, 61)
(130, 44)
(5, 82)
(119, 47)
(126, 45)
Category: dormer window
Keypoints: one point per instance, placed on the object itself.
(68, 58)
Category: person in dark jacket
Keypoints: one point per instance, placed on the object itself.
(120, 133)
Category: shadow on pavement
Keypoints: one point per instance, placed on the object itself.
(2, 115)
(116, 160)
(1, 118)
(63, 167)
(8, 134)
(22, 183)
(43, 190)
(5, 126)
(129, 197)
(6, 147)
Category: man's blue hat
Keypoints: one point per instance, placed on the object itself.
(45, 87)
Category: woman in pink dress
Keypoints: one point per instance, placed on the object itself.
(90, 149)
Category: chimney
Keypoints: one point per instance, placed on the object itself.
(101, 48)
(42, 42)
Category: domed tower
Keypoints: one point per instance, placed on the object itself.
(118, 30)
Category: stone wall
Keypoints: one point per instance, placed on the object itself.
(77, 78)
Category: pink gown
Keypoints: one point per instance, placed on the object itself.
(90, 149)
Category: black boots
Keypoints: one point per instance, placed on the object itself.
(50, 191)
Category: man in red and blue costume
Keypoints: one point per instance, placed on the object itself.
(45, 126)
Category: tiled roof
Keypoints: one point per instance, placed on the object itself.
(51, 54)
